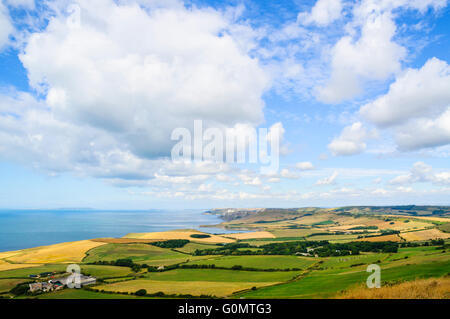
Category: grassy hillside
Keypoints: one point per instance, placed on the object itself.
(433, 288)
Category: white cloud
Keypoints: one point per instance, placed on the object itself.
(414, 94)
(28, 4)
(328, 180)
(422, 173)
(184, 64)
(304, 166)
(368, 51)
(6, 27)
(285, 173)
(250, 180)
(417, 105)
(373, 56)
(323, 13)
(117, 83)
(351, 141)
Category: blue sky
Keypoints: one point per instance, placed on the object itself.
(91, 90)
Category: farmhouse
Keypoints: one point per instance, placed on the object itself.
(60, 283)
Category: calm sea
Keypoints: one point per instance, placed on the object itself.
(21, 229)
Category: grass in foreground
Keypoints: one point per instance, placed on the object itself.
(432, 288)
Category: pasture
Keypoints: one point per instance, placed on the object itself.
(222, 275)
(258, 262)
(195, 288)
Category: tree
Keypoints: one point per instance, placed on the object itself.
(141, 292)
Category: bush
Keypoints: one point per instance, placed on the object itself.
(141, 292)
(20, 289)
(200, 236)
(173, 243)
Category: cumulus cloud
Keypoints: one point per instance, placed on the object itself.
(369, 50)
(372, 56)
(118, 80)
(414, 94)
(351, 141)
(323, 13)
(421, 173)
(417, 106)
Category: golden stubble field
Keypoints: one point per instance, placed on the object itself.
(181, 234)
(425, 235)
(71, 252)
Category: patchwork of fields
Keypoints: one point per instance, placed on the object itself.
(247, 269)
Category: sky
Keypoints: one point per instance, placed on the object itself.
(91, 91)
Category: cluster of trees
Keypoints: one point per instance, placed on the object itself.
(172, 243)
(322, 248)
(20, 289)
(226, 249)
(433, 242)
(124, 262)
(363, 227)
(200, 236)
(354, 248)
(235, 267)
(383, 233)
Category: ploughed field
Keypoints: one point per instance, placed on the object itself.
(310, 253)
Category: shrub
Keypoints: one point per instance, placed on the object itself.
(20, 289)
(173, 243)
(141, 292)
(200, 236)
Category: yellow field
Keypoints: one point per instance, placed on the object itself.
(294, 232)
(425, 235)
(433, 288)
(257, 234)
(123, 240)
(7, 266)
(195, 288)
(180, 234)
(312, 219)
(435, 219)
(381, 238)
(59, 253)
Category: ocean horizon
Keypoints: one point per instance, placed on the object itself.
(20, 229)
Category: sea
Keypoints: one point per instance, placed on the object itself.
(21, 229)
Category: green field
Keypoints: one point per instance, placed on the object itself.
(94, 270)
(195, 288)
(139, 253)
(8, 284)
(83, 294)
(25, 272)
(189, 248)
(259, 262)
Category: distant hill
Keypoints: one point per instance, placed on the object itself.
(229, 214)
